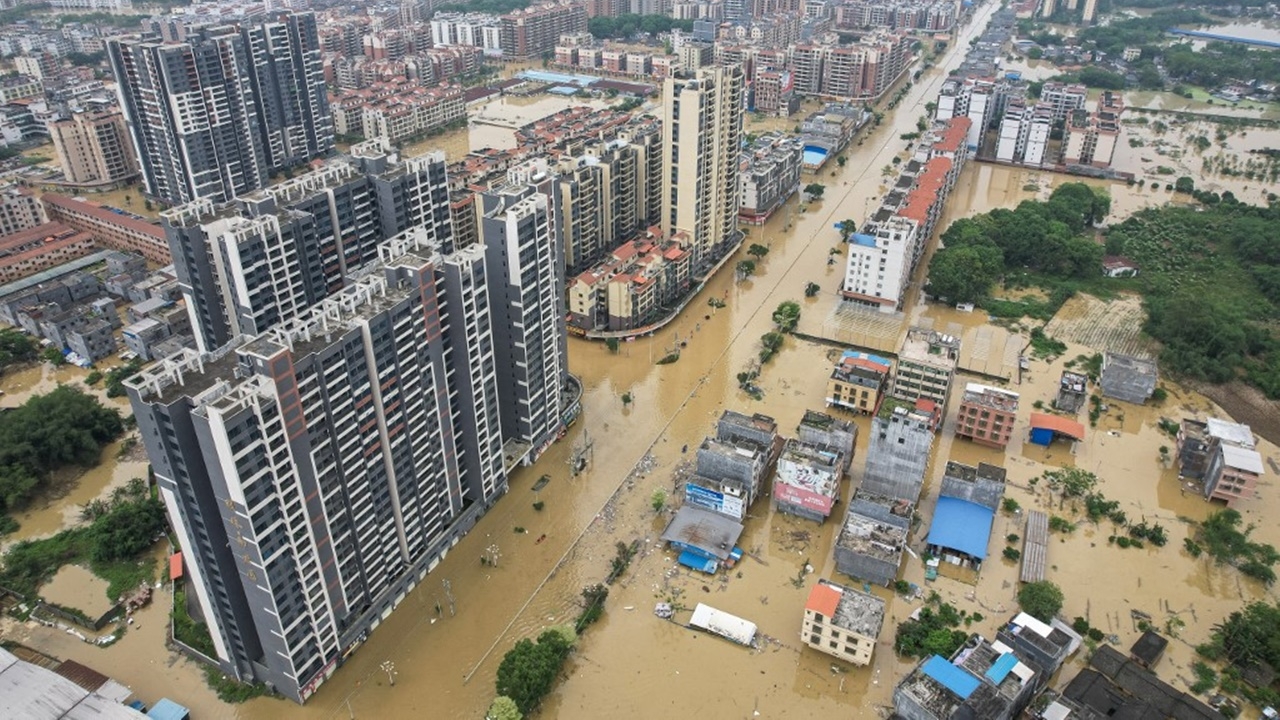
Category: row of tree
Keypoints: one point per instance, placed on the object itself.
(1042, 237)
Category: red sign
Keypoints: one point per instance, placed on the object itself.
(807, 499)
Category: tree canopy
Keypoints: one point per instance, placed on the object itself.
(624, 26)
(63, 427)
(1041, 600)
(528, 671)
(15, 347)
(1044, 237)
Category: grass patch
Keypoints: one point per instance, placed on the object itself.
(230, 690)
(187, 629)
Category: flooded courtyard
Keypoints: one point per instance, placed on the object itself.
(632, 664)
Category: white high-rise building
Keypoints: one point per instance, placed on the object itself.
(702, 117)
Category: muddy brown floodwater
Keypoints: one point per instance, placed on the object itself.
(633, 665)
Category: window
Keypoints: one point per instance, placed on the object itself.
(834, 645)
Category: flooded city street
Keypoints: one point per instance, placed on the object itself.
(446, 650)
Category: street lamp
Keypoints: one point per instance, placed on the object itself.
(390, 669)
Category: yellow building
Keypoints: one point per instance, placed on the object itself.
(842, 622)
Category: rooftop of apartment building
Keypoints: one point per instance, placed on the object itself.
(852, 610)
(928, 347)
(103, 213)
(978, 679)
(823, 421)
(990, 397)
(853, 366)
(1054, 639)
(758, 422)
(969, 473)
(876, 525)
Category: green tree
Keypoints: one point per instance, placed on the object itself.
(786, 316)
(847, 228)
(757, 251)
(1041, 600)
(127, 530)
(1184, 185)
(811, 289)
(815, 190)
(964, 274)
(15, 347)
(53, 356)
(658, 500)
(612, 344)
(528, 671)
(1070, 482)
(503, 708)
(746, 268)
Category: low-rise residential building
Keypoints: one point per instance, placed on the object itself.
(807, 482)
(827, 132)
(19, 87)
(1090, 138)
(1073, 390)
(987, 415)
(1116, 686)
(396, 109)
(858, 382)
(960, 530)
(1128, 378)
(1232, 473)
(869, 546)
(29, 251)
(981, 680)
(926, 365)
(883, 257)
(1063, 98)
(829, 433)
(770, 175)
(19, 210)
(110, 227)
(634, 287)
(842, 622)
(731, 467)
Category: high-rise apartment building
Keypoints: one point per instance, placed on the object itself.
(520, 231)
(275, 252)
(94, 148)
(215, 115)
(529, 33)
(317, 472)
(702, 118)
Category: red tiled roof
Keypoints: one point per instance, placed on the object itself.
(175, 565)
(101, 213)
(823, 599)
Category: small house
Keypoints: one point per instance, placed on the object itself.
(1148, 650)
(1128, 378)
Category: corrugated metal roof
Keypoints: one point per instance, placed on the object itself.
(951, 677)
(1242, 459)
(723, 624)
(961, 525)
(1001, 668)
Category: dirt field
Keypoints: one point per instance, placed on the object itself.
(1247, 405)
(1114, 326)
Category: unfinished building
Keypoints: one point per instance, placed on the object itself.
(980, 681)
(829, 433)
(1128, 378)
(1047, 644)
(898, 455)
(1073, 390)
(870, 543)
(983, 485)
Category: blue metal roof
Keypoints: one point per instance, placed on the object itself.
(961, 525)
(863, 239)
(999, 669)
(167, 709)
(698, 562)
(867, 356)
(951, 677)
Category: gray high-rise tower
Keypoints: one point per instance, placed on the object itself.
(215, 115)
(315, 474)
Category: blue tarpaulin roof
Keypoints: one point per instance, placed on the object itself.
(999, 669)
(698, 562)
(863, 240)
(952, 678)
(961, 525)
(167, 709)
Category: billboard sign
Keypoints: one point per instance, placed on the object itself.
(713, 500)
